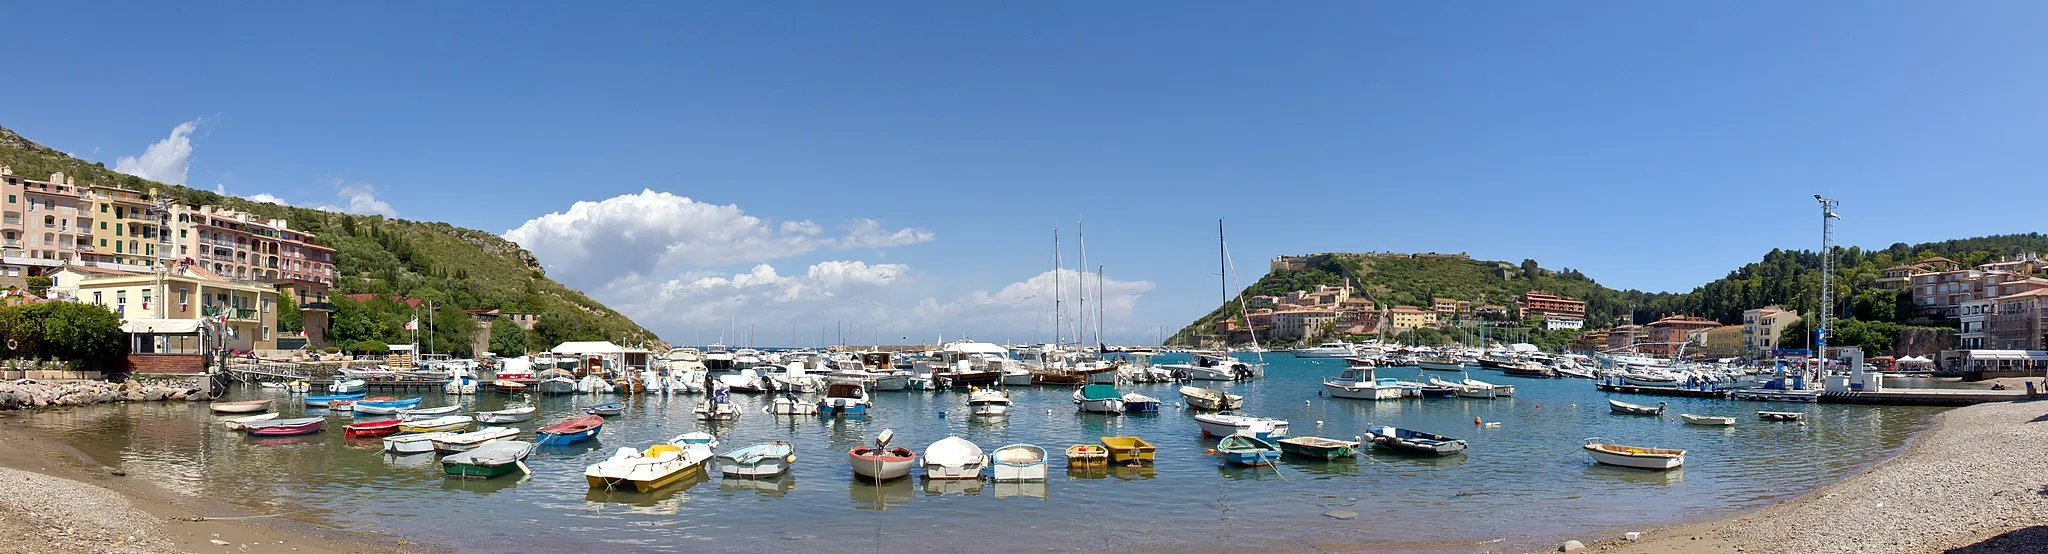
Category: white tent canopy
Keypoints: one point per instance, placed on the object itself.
(161, 326)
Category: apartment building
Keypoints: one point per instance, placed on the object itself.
(1542, 304)
(239, 245)
(1303, 324)
(1761, 327)
(1402, 318)
(2019, 321)
(125, 230)
(1668, 334)
(43, 225)
(246, 310)
(1943, 293)
(1975, 319)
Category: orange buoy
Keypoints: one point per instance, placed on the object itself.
(1475, 420)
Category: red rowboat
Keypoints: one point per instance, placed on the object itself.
(371, 428)
(574, 425)
(286, 427)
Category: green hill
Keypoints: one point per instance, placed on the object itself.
(1785, 277)
(456, 268)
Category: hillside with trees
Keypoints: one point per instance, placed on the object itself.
(454, 268)
(1869, 316)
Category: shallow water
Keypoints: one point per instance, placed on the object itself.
(1524, 482)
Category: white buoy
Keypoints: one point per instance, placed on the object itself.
(1319, 423)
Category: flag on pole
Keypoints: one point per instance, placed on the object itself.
(413, 325)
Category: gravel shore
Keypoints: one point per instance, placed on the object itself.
(1976, 482)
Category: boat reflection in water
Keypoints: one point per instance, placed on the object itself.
(1133, 473)
(773, 487)
(424, 459)
(1425, 462)
(1635, 476)
(568, 450)
(871, 496)
(1323, 469)
(275, 442)
(1088, 473)
(1021, 489)
(1254, 473)
(663, 501)
(481, 487)
(942, 487)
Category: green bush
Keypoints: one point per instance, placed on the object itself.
(88, 336)
(370, 347)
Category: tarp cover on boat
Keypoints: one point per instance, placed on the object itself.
(1100, 392)
(588, 347)
(161, 326)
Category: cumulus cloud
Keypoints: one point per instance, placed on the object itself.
(166, 160)
(267, 197)
(649, 233)
(1024, 308)
(361, 198)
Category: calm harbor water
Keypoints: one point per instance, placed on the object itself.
(1523, 483)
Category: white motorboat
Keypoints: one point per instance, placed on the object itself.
(464, 442)
(788, 405)
(659, 466)
(592, 384)
(427, 413)
(1212, 399)
(1224, 425)
(508, 415)
(1360, 383)
(556, 381)
(1213, 367)
(1327, 350)
(347, 386)
(1101, 399)
(1707, 420)
(1650, 379)
(844, 397)
(707, 440)
(716, 358)
(1634, 456)
(1620, 407)
(1498, 390)
(715, 410)
(1016, 376)
(745, 358)
(417, 443)
(954, 458)
(1018, 462)
(988, 402)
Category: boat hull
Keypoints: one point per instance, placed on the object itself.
(562, 439)
(882, 466)
(477, 471)
(1332, 450)
(506, 416)
(1441, 366)
(1249, 458)
(1104, 406)
(286, 430)
(1638, 462)
(828, 408)
(1129, 450)
(1021, 462)
(1362, 392)
(988, 408)
(243, 407)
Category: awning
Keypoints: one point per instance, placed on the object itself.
(2008, 355)
(588, 347)
(161, 326)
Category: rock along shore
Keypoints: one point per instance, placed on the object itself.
(30, 393)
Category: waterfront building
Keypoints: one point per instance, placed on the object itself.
(244, 310)
(1624, 337)
(1665, 333)
(1542, 304)
(2018, 322)
(1301, 324)
(1974, 316)
(1761, 327)
(1553, 323)
(125, 230)
(1591, 341)
(42, 225)
(1403, 318)
(240, 245)
(1449, 307)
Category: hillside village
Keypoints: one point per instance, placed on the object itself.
(1991, 312)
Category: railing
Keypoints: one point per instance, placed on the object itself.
(244, 313)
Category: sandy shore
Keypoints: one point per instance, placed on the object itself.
(1975, 482)
(54, 498)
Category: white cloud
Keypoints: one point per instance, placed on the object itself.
(166, 160)
(361, 198)
(594, 243)
(267, 197)
(1024, 308)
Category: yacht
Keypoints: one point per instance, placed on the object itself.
(1216, 367)
(1359, 382)
(1327, 350)
(716, 358)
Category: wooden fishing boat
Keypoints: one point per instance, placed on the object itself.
(469, 441)
(659, 466)
(1129, 450)
(1087, 456)
(1625, 408)
(1634, 456)
(1707, 420)
(759, 461)
(1415, 442)
(508, 415)
(285, 427)
(382, 407)
(1318, 448)
(443, 423)
(371, 428)
(508, 386)
(236, 423)
(1211, 399)
(1243, 449)
(954, 458)
(327, 401)
(1781, 416)
(487, 461)
(1018, 462)
(880, 462)
(607, 409)
(1227, 424)
(571, 431)
(419, 443)
(240, 407)
(428, 413)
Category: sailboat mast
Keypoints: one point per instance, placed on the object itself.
(1058, 296)
(1223, 277)
(1081, 238)
(1100, 307)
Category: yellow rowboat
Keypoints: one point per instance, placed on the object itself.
(1084, 456)
(444, 423)
(1129, 450)
(660, 466)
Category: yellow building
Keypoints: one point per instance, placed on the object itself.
(247, 309)
(1403, 318)
(124, 231)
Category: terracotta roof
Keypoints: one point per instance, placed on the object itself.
(2031, 293)
(99, 270)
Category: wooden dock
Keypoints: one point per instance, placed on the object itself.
(1925, 397)
(1662, 391)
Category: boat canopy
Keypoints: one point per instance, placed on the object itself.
(1100, 392)
(588, 347)
(161, 326)
(966, 347)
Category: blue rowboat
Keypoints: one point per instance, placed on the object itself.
(568, 432)
(1246, 450)
(387, 407)
(322, 401)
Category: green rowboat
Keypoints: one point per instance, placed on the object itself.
(487, 461)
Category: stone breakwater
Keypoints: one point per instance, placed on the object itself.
(30, 393)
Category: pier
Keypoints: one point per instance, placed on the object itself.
(1662, 391)
(1925, 397)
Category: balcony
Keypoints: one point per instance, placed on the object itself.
(244, 314)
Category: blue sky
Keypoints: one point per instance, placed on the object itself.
(938, 143)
